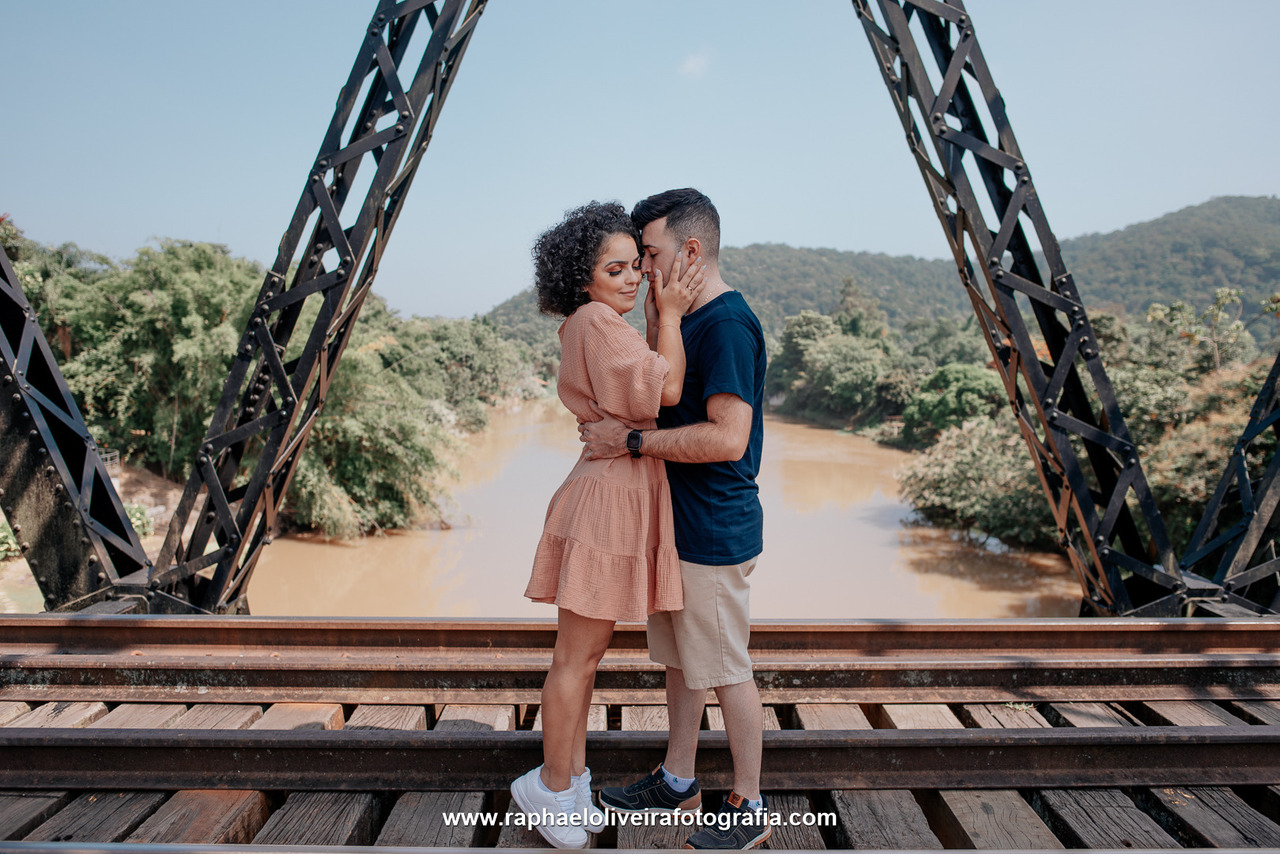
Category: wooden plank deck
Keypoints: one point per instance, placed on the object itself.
(866, 816)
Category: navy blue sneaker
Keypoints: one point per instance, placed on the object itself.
(737, 827)
(652, 794)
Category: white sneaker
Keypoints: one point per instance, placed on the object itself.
(551, 810)
(595, 816)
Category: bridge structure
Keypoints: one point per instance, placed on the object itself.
(85, 555)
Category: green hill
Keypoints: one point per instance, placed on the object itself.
(1227, 241)
(1230, 241)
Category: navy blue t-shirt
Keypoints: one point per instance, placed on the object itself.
(718, 518)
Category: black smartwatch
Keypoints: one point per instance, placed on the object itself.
(633, 443)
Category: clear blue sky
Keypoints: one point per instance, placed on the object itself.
(129, 120)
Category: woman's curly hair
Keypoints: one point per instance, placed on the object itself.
(564, 258)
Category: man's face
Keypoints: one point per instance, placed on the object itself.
(659, 249)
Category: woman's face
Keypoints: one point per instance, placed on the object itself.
(615, 281)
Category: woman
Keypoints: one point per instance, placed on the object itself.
(607, 551)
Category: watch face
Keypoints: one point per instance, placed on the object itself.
(633, 440)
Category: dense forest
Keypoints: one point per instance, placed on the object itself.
(145, 345)
(1184, 307)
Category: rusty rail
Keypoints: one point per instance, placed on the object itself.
(793, 760)
(255, 660)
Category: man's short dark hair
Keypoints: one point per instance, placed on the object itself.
(689, 214)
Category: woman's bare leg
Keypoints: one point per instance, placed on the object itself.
(580, 644)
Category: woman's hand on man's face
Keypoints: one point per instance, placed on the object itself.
(673, 295)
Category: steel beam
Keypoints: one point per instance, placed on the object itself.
(347, 760)
(982, 191)
(252, 660)
(1235, 541)
(54, 488)
(385, 116)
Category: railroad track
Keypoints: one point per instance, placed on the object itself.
(1034, 734)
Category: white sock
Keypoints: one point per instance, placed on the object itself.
(548, 789)
(755, 805)
(585, 775)
(680, 784)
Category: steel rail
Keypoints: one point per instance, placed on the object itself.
(257, 660)
(80, 634)
(391, 760)
(906, 681)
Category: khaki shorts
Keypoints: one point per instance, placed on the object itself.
(708, 639)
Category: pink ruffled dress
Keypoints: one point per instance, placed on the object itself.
(608, 544)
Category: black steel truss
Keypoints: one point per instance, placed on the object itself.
(64, 511)
(272, 397)
(1235, 542)
(1058, 388)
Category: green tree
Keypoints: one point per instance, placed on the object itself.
(845, 372)
(950, 396)
(979, 476)
(1216, 335)
(153, 343)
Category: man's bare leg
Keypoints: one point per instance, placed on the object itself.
(744, 724)
(684, 716)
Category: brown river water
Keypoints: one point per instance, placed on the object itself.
(838, 542)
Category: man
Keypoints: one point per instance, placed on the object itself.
(711, 441)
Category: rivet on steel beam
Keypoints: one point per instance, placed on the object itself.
(93, 559)
(17, 529)
(7, 379)
(33, 563)
(25, 547)
(102, 576)
(962, 20)
(41, 451)
(1025, 179)
(34, 434)
(1132, 461)
(17, 398)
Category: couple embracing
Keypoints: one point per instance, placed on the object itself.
(660, 519)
